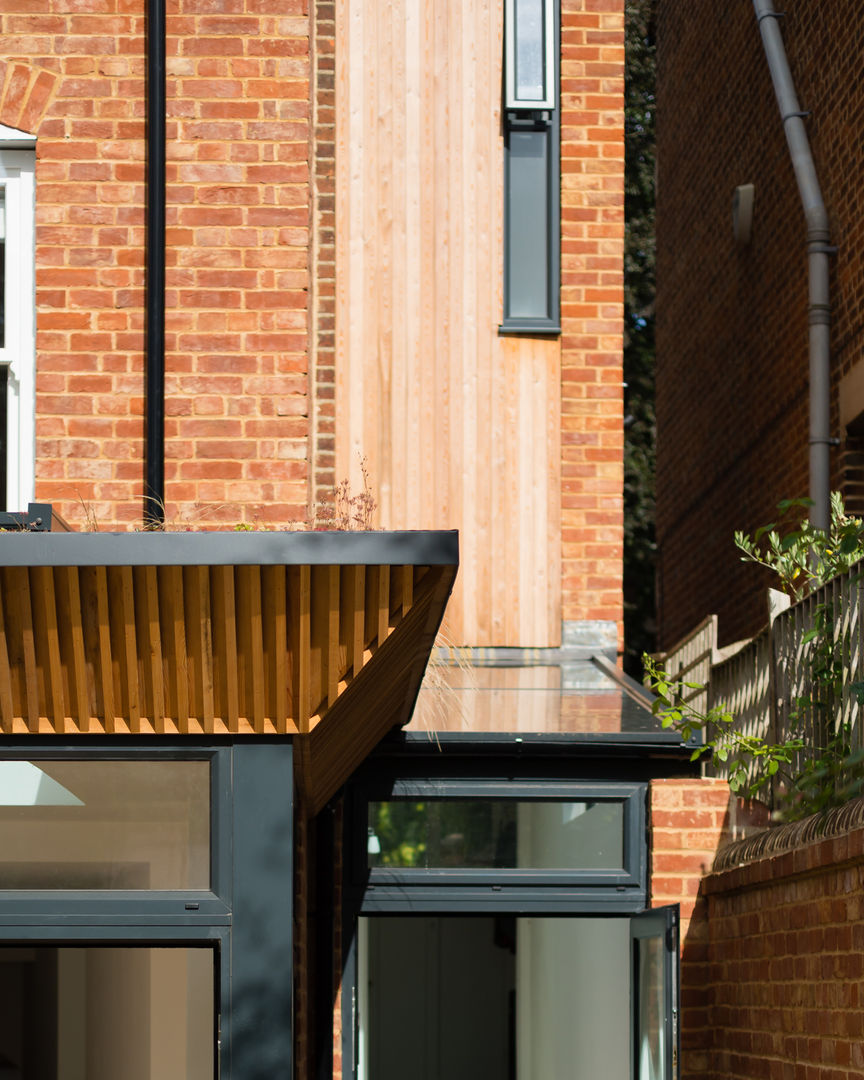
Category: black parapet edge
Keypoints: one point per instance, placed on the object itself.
(157, 548)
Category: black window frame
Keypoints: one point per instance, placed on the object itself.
(250, 900)
(383, 889)
(545, 122)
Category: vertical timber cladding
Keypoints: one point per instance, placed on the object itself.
(517, 441)
(459, 426)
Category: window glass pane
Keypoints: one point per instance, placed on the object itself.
(650, 1027)
(2, 267)
(493, 996)
(104, 825)
(106, 1013)
(488, 833)
(528, 225)
(4, 429)
(528, 35)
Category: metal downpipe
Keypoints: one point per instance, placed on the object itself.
(818, 253)
(154, 482)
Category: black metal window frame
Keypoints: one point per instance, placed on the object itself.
(245, 916)
(383, 889)
(547, 124)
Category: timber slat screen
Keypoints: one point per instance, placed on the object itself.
(194, 649)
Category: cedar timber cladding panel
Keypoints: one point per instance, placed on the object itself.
(196, 649)
(460, 426)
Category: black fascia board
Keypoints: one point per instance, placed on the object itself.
(157, 548)
(490, 755)
(534, 744)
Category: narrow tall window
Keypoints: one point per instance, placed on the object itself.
(531, 168)
(17, 325)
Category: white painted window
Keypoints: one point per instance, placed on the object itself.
(17, 319)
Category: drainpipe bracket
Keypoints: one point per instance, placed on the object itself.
(825, 441)
(770, 15)
(822, 249)
(793, 115)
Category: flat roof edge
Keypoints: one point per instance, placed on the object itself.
(397, 548)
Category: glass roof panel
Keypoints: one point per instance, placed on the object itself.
(576, 697)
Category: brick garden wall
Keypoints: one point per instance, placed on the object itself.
(592, 228)
(238, 226)
(732, 368)
(786, 964)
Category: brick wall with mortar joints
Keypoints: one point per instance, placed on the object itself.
(592, 229)
(787, 962)
(688, 820)
(238, 217)
(732, 366)
(322, 333)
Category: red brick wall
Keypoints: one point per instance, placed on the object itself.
(688, 820)
(322, 336)
(787, 964)
(732, 365)
(238, 223)
(592, 237)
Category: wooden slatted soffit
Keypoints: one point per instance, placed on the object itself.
(194, 649)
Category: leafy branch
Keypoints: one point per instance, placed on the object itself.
(803, 557)
(751, 760)
(812, 777)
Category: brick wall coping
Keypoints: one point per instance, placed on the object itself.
(799, 847)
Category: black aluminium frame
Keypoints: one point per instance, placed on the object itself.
(245, 916)
(547, 123)
(496, 763)
(414, 891)
(534, 894)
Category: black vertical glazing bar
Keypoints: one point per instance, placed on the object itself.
(154, 488)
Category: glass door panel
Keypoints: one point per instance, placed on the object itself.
(654, 937)
(101, 1013)
(506, 997)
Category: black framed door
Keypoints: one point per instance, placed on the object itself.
(655, 954)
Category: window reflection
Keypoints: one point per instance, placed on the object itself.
(104, 825)
(529, 32)
(106, 1013)
(496, 833)
(651, 1035)
(2, 267)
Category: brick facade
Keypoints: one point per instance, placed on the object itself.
(322, 335)
(786, 964)
(237, 237)
(732, 366)
(592, 251)
(688, 821)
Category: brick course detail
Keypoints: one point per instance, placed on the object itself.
(732, 337)
(592, 252)
(786, 964)
(237, 238)
(688, 820)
